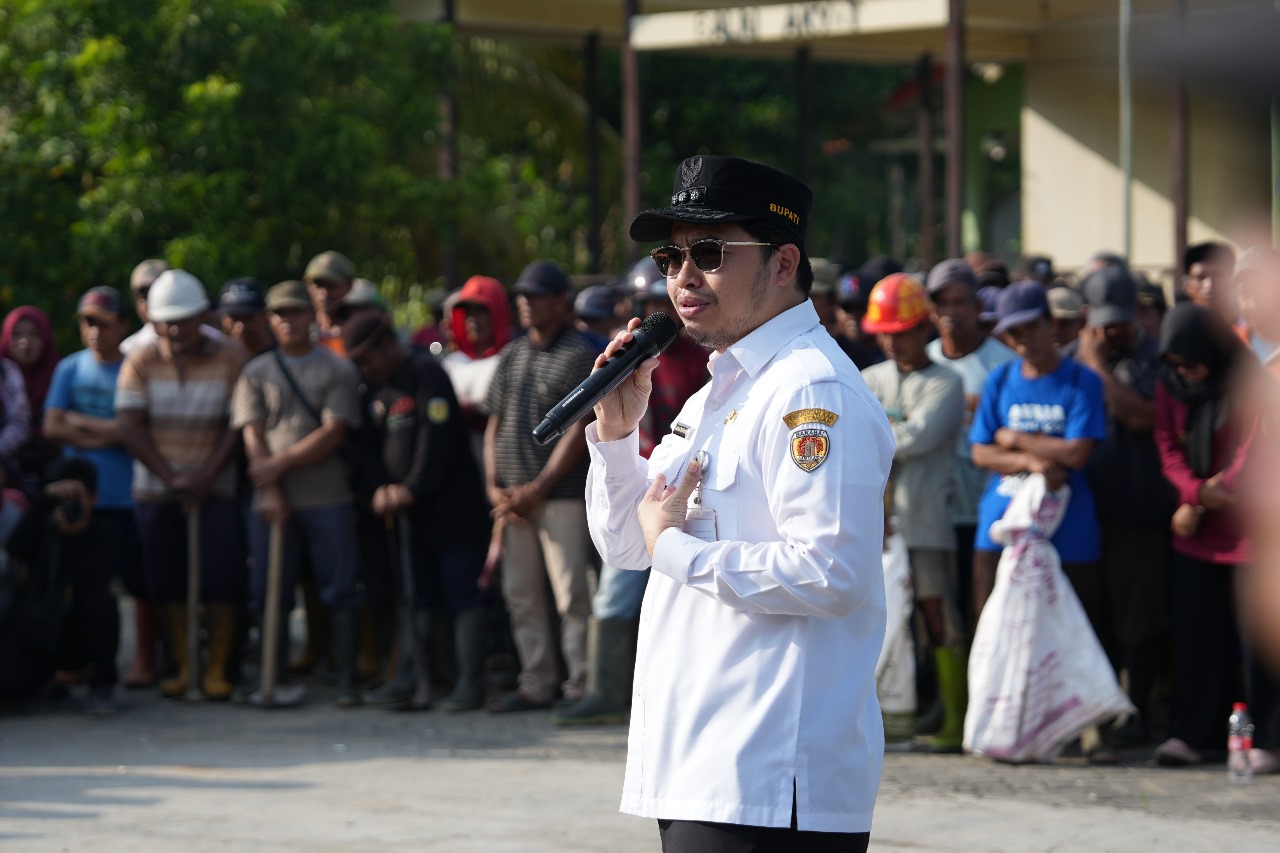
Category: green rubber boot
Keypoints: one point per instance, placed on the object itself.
(953, 688)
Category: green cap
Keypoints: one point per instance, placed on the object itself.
(288, 294)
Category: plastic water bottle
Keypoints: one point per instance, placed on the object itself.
(1239, 742)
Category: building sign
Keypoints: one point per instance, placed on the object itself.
(784, 22)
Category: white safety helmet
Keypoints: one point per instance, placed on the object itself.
(175, 295)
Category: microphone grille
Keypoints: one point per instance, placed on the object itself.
(660, 328)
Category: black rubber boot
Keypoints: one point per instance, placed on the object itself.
(470, 635)
(346, 647)
(611, 663)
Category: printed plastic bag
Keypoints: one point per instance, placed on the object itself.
(1037, 674)
(896, 668)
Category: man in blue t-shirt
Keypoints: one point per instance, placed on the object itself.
(1040, 413)
(79, 411)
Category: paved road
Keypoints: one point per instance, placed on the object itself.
(170, 775)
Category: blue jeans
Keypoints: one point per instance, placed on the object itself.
(619, 593)
(329, 535)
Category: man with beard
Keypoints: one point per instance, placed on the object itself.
(755, 724)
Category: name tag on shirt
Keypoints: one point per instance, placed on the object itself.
(700, 523)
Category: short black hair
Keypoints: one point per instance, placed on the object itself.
(764, 232)
(1210, 250)
(73, 468)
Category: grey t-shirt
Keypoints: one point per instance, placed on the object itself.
(973, 370)
(263, 395)
(926, 411)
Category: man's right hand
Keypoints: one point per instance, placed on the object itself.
(618, 414)
(1055, 476)
(272, 506)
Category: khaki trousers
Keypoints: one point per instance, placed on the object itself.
(555, 545)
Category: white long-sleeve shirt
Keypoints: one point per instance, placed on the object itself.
(757, 651)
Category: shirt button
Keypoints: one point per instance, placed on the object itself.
(802, 346)
(715, 407)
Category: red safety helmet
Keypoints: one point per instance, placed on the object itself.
(897, 303)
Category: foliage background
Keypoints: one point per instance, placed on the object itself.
(241, 137)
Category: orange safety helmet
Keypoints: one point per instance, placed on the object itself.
(897, 303)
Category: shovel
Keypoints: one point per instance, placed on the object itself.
(193, 605)
(269, 695)
(415, 633)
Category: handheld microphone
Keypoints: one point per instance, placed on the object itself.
(650, 338)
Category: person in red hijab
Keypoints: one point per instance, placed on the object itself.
(26, 339)
(479, 326)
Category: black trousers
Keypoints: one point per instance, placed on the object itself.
(696, 836)
(1206, 639)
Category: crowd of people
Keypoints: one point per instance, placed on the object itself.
(229, 455)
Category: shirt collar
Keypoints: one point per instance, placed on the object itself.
(758, 348)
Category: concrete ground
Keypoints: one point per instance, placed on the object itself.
(166, 775)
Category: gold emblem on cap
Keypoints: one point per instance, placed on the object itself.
(810, 416)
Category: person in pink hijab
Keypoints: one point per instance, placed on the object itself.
(26, 339)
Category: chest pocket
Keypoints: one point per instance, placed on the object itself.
(720, 491)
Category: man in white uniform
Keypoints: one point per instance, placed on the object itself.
(754, 721)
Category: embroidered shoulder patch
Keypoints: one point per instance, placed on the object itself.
(809, 448)
(810, 416)
(438, 410)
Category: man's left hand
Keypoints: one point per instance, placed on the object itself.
(665, 506)
(392, 498)
(267, 471)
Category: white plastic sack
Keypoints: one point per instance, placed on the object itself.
(896, 668)
(1037, 673)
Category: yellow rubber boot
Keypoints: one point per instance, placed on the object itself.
(222, 634)
(175, 617)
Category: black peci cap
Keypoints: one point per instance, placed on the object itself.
(242, 296)
(712, 189)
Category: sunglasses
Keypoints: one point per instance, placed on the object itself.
(707, 254)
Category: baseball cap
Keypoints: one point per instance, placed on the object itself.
(994, 274)
(365, 330)
(329, 266)
(145, 273)
(876, 269)
(102, 301)
(711, 189)
(363, 294)
(646, 280)
(949, 272)
(1037, 267)
(543, 278)
(1111, 294)
(288, 294)
(851, 291)
(596, 302)
(988, 296)
(1150, 295)
(241, 297)
(1020, 303)
(825, 277)
(1065, 303)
